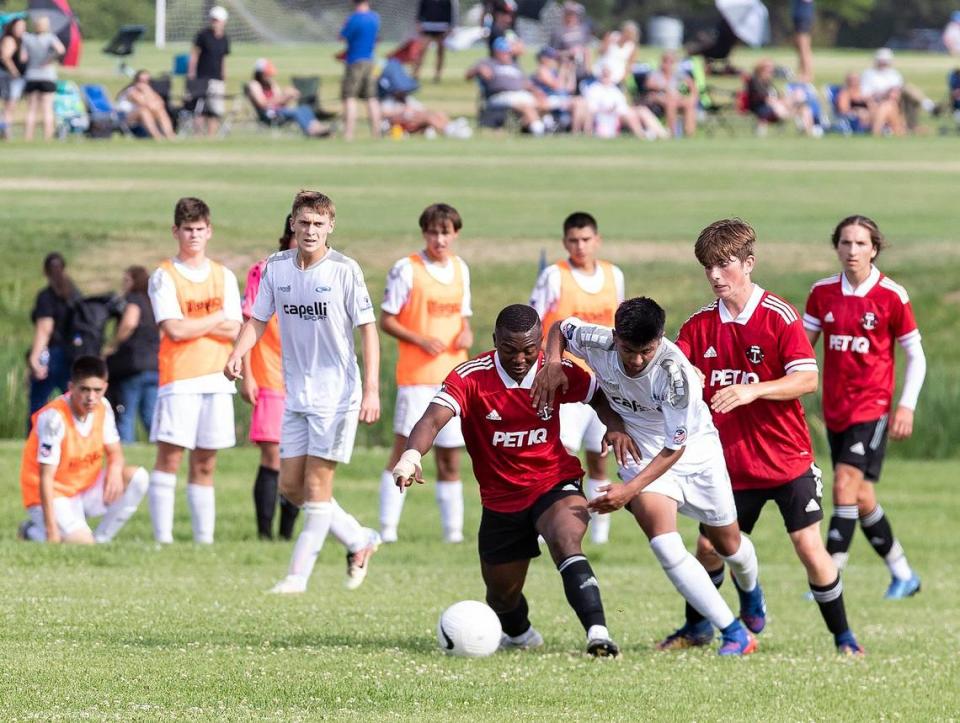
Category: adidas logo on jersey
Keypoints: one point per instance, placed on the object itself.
(494, 416)
(829, 317)
(710, 353)
(858, 448)
(812, 506)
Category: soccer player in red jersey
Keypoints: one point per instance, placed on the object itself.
(757, 363)
(529, 484)
(861, 312)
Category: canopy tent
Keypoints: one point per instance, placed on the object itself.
(749, 20)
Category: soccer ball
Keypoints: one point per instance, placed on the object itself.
(469, 629)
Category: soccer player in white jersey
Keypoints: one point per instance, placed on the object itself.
(590, 289)
(320, 297)
(655, 389)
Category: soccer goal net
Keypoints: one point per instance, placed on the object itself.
(284, 21)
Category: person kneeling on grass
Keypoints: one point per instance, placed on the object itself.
(529, 484)
(62, 477)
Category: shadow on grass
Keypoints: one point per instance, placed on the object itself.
(302, 641)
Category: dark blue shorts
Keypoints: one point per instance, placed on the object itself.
(803, 13)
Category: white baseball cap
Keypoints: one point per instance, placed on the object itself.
(218, 12)
(884, 55)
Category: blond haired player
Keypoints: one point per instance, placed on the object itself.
(62, 477)
(196, 303)
(591, 290)
(319, 297)
(426, 307)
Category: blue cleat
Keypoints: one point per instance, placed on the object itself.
(737, 640)
(900, 589)
(688, 636)
(848, 645)
(753, 608)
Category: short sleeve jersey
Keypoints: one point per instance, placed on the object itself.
(396, 293)
(766, 443)
(859, 327)
(659, 407)
(516, 451)
(318, 309)
(51, 430)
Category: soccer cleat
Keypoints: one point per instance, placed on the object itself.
(737, 640)
(524, 641)
(900, 589)
(688, 636)
(388, 534)
(753, 608)
(290, 585)
(453, 538)
(602, 648)
(357, 562)
(848, 645)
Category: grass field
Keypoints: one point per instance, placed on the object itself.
(132, 632)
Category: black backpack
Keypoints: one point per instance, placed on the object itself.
(87, 323)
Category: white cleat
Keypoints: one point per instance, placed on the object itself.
(388, 535)
(453, 538)
(358, 562)
(290, 585)
(525, 641)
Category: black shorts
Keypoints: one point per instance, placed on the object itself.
(509, 536)
(803, 13)
(862, 446)
(800, 502)
(40, 86)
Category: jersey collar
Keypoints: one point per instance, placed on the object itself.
(864, 288)
(508, 381)
(752, 303)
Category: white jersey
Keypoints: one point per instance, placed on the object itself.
(662, 407)
(318, 309)
(51, 429)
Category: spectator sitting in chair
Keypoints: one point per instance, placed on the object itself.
(882, 85)
(852, 103)
(608, 108)
(274, 103)
(412, 116)
(557, 79)
(208, 62)
(767, 104)
(506, 86)
(673, 90)
(142, 106)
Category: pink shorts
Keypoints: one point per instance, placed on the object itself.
(266, 417)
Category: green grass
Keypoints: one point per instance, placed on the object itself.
(128, 631)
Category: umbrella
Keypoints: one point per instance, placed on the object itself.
(749, 20)
(63, 24)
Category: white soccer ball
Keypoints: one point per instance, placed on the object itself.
(469, 629)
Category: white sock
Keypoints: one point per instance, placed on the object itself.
(345, 528)
(450, 500)
(316, 524)
(744, 565)
(598, 632)
(537, 128)
(123, 508)
(691, 579)
(160, 497)
(391, 505)
(599, 523)
(897, 563)
(203, 512)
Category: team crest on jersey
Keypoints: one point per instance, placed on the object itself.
(545, 413)
(754, 354)
(322, 289)
(680, 435)
(869, 321)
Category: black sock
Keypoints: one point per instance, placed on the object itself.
(582, 590)
(693, 615)
(265, 500)
(830, 599)
(843, 526)
(877, 529)
(288, 517)
(515, 622)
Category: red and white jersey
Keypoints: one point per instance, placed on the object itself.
(859, 327)
(516, 451)
(766, 443)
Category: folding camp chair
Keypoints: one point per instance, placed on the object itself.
(104, 118)
(123, 45)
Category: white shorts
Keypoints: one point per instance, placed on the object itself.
(71, 513)
(581, 427)
(412, 402)
(195, 421)
(328, 436)
(704, 495)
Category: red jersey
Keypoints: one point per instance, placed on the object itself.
(516, 451)
(765, 443)
(859, 327)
